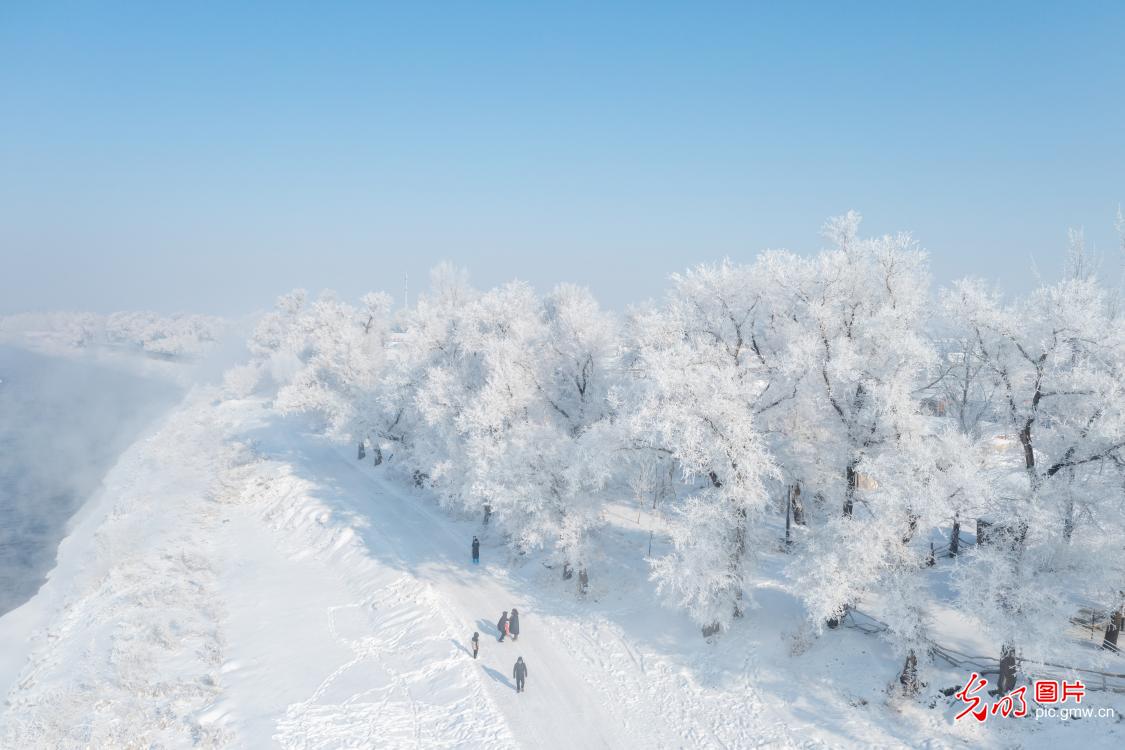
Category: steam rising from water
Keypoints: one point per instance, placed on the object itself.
(62, 425)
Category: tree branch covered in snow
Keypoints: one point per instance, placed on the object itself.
(836, 387)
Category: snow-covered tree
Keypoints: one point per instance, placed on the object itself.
(499, 400)
(701, 382)
(850, 318)
(419, 397)
(1058, 356)
(178, 336)
(573, 365)
(325, 357)
(825, 380)
(930, 475)
(853, 323)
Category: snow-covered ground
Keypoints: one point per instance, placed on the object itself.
(240, 582)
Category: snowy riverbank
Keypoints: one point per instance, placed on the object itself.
(63, 423)
(241, 583)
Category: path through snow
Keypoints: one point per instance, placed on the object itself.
(249, 585)
(418, 579)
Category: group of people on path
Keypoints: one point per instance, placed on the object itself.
(508, 626)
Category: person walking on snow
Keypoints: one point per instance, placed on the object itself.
(476, 643)
(520, 673)
(514, 624)
(476, 551)
(502, 626)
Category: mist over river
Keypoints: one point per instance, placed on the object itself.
(63, 423)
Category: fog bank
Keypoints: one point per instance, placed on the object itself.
(63, 422)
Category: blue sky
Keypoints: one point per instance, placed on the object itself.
(205, 157)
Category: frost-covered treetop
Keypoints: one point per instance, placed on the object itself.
(170, 336)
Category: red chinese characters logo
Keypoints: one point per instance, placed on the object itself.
(1056, 691)
(977, 708)
(1014, 704)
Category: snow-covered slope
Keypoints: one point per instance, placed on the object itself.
(240, 583)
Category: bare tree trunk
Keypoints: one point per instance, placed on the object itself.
(798, 505)
(1068, 520)
(911, 528)
(838, 619)
(788, 515)
(736, 558)
(853, 481)
(671, 482)
(378, 453)
(1007, 680)
(1112, 629)
(908, 678)
(955, 538)
(362, 452)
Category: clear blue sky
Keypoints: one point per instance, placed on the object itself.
(206, 157)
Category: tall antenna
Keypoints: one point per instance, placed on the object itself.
(406, 290)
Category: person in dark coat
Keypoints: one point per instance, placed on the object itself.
(476, 551)
(502, 626)
(476, 643)
(520, 673)
(514, 624)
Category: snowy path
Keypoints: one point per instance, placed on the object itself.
(248, 585)
(245, 585)
(588, 686)
(559, 709)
